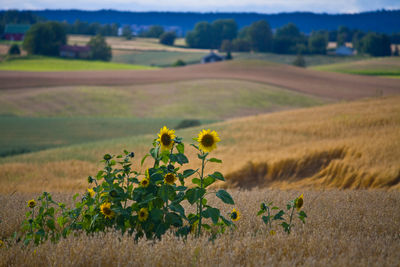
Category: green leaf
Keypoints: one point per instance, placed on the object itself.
(225, 197)
(196, 181)
(212, 213)
(266, 219)
(218, 176)
(177, 208)
(206, 226)
(51, 224)
(215, 160)
(156, 215)
(143, 159)
(225, 221)
(181, 148)
(189, 172)
(279, 215)
(303, 214)
(275, 208)
(260, 212)
(208, 181)
(173, 219)
(163, 193)
(194, 194)
(182, 159)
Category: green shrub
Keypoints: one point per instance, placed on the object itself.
(14, 50)
(188, 123)
(179, 63)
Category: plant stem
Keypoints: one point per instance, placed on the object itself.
(290, 222)
(201, 198)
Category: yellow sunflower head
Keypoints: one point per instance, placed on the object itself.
(105, 208)
(91, 192)
(143, 214)
(1, 243)
(208, 140)
(170, 178)
(299, 202)
(235, 215)
(144, 183)
(166, 138)
(31, 203)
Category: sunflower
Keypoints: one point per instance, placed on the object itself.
(91, 192)
(1, 243)
(144, 183)
(299, 202)
(272, 232)
(143, 214)
(31, 203)
(208, 140)
(106, 210)
(166, 138)
(235, 215)
(169, 178)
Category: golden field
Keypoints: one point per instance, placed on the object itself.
(346, 145)
(343, 228)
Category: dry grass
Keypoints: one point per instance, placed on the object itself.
(345, 145)
(344, 228)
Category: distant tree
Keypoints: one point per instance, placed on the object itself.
(168, 38)
(223, 29)
(317, 44)
(299, 61)
(200, 37)
(241, 45)
(377, 45)
(99, 49)
(14, 50)
(287, 38)
(154, 31)
(343, 35)
(395, 38)
(226, 46)
(260, 36)
(244, 33)
(127, 32)
(179, 63)
(45, 38)
(357, 37)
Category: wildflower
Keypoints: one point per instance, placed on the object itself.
(143, 214)
(208, 140)
(144, 183)
(299, 202)
(169, 178)
(166, 138)
(272, 232)
(31, 203)
(105, 208)
(91, 192)
(235, 215)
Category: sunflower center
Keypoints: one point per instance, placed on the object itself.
(166, 139)
(107, 211)
(207, 140)
(144, 182)
(142, 214)
(170, 178)
(234, 215)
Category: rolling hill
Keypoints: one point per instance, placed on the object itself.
(344, 145)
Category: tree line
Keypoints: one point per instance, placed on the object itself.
(288, 39)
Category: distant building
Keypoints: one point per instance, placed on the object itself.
(15, 32)
(344, 51)
(74, 51)
(212, 57)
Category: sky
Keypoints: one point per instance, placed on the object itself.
(260, 6)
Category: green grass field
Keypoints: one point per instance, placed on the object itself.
(200, 99)
(26, 134)
(157, 58)
(385, 67)
(39, 63)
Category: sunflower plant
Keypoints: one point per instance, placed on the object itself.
(274, 213)
(141, 202)
(207, 142)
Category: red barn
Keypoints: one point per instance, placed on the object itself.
(15, 32)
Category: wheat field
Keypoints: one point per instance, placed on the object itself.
(343, 228)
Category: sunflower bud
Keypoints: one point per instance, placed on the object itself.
(90, 179)
(263, 206)
(170, 168)
(113, 193)
(131, 154)
(107, 157)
